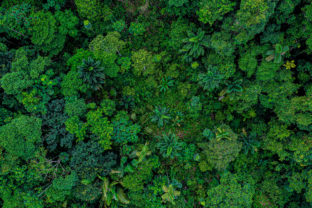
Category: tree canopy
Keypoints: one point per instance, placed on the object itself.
(155, 104)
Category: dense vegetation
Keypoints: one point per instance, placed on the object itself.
(156, 103)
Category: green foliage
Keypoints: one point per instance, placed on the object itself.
(100, 127)
(169, 145)
(106, 49)
(222, 44)
(119, 25)
(61, 187)
(56, 4)
(248, 63)
(177, 3)
(54, 131)
(308, 194)
(5, 115)
(231, 192)
(11, 3)
(234, 87)
(37, 66)
(16, 20)
(93, 10)
(297, 110)
(110, 44)
(143, 174)
(143, 103)
(75, 107)
(32, 102)
(15, 82)
(72, 84)
(210, 80)
(270, 193)
(76, 60)
(248, 9)
(29, 75)
(88, 161)
(19, 69)
(87, 193)
(112, 192)
(165, 84)
(211, 11)
(49, 31)
(12, 200)
(252, 18)
(44, 30)
(308, 12)
(208, 134)
(178, 33)
(170, 194)
(266, 71)
(161, 116)
(91, 73)
(222, 149)
(76, 127)
(20, 136)
(136, 28)
(108, 107)
(143, 63)
(277, 53)
(194, 45)
(124, 131)
(296, 182)
(125, 64)
(67, 23)
(194, 107)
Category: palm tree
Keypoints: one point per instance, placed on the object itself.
(92, 73)
(194, 45)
